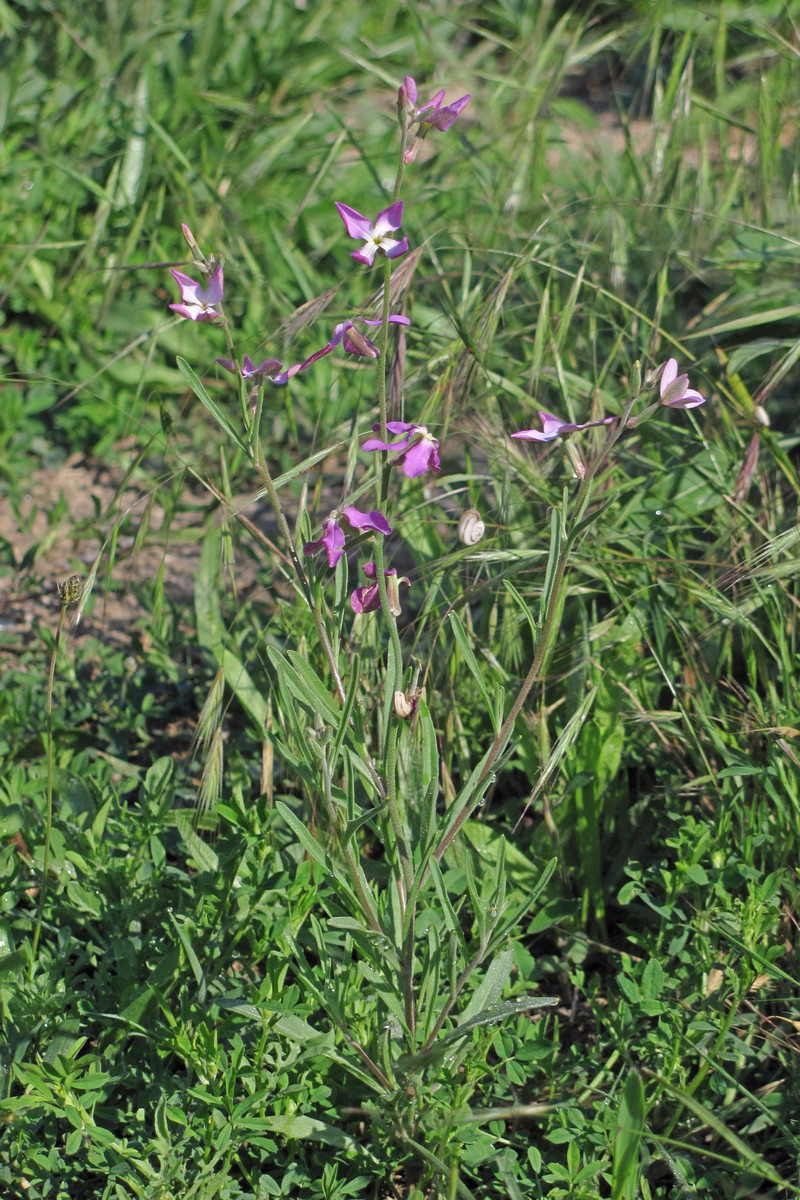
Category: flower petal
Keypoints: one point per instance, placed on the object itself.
(669, 373)
(366, 254)
(389, 219)
(397, 248)
(371, 520)
(366, 599)
(213, 293)
(443, 118)
(421, 458)
(355, 223)
(377, 444)
(191, 290)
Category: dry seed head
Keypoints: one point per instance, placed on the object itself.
(71, 590)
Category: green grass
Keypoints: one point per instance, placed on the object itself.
(209, 1012)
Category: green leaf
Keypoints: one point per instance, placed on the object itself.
(194, 961)
(627, 1138)
(497, 1013)
(209, 403)
(488, 990)
(471, 662)
(310, 1130)
(212, 634)
(203, 854)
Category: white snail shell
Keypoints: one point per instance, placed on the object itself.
(471, 528)
(404, 706)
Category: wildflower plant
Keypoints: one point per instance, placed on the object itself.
(371, 769)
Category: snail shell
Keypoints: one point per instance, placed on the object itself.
(471, 528)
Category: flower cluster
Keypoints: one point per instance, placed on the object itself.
(419, 448)
(674, 393)
(433, 115)
(197, 303)
(552, 428)
(416, 450)
(368, 598)
(332, 540)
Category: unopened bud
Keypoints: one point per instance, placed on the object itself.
(761, 416)
(356, 343)
(636, 378)
(652, 377)
(190, 240)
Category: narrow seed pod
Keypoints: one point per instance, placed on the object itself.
(471, 528)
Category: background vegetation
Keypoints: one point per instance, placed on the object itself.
(624, 185)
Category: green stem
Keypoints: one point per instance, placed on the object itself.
(548, 629)
(49, 795)
(283, 525)
(384, 348)
(356, 875)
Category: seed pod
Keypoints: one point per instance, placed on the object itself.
(471, 528)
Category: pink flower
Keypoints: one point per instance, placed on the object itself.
(332, 539)
(433, 116)
(430, 115)
(368, 598)
(675, 390)
(198, 303)
(268, 367)
(552, 428)
(375, 236)
(354, 341)
(422, 449)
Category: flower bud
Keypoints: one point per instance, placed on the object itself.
(471, 528)
(761, 416)
(190, 240)
(356, 343)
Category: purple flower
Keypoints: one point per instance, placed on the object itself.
(333, 535)
(675, 390)
(433, 116)
(268, 367)
(422, 453)
(368, 598)
(375, 236)
(198, 303)
(354, 341)
(552, 428)
(430, 115)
